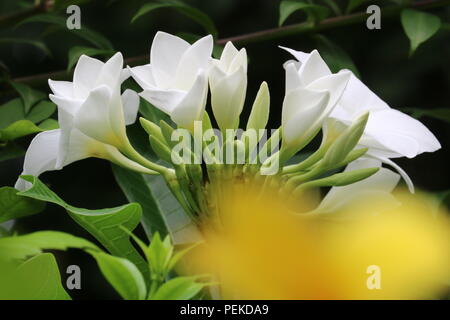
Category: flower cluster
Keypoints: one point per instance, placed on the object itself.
(360, 131)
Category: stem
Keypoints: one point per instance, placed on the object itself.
(15, 17)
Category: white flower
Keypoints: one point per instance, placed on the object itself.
(92, 117)
(228, 82)
(389, 133)
(374, 189)
(176, 80)
(311, 94)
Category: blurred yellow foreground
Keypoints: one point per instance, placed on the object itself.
(258, 248)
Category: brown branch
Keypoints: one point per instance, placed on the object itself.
(14, 17)
(264, 35)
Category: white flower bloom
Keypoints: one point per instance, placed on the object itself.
(176, 81)
(374, 189)
(228, 82)
(311, 94)
(389, 133)
(92, 117)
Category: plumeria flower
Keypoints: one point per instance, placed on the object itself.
(92, 116)
(228, 82)
(176, 80)
(389, 133)
(311, 94)
(374, 189)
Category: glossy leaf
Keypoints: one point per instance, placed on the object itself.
(28, 95)
(10, 112)
(180, 288)
(21, 247)
(353, 4)
(314, 12)
(35, 43)
(36, 279)
(85, 33)
(122, 274)
(136, 189)
(13, 206)
(41, 111)
(193, 13)
(104, 224)
(335, 57)
(438, 113)
(419, 26)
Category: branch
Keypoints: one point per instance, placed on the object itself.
(13, 18)
(325, 24)
(265, 35)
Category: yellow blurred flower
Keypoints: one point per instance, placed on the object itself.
(258, 248)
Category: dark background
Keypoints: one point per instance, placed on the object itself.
(381, 56)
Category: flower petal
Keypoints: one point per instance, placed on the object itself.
(197, 57)
(40, 157)
(192, 106)
(165, 100)
(61, 88)
(292, 77)
(143, 75)
(111, 72)
(313, 68)
(165, 55)
(301, 109)
(401, 133)
(299, 55)
(227, 98)
(130, 102)
(93, 118)
(85, 75)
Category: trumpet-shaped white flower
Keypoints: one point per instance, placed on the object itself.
(92, 117)
(389, 133)
(228, 83)
(374, 189)
(312, 92)
(176, 80)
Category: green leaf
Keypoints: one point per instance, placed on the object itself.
(18, 129)
(353, 4)
(35, 43)
(85, 33)
(136, 189)
(419, 26)
(315, 12)
(29, 95)
(41, 111)
(180, 288)
(13, 206)
(198, 16)
(161, 211)
(49, 124)
(21, 247)
(122, 275)
(104, 224)
(438, 113)
(36, 279)
(10, 112)
(335, 57)
(76, 52)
